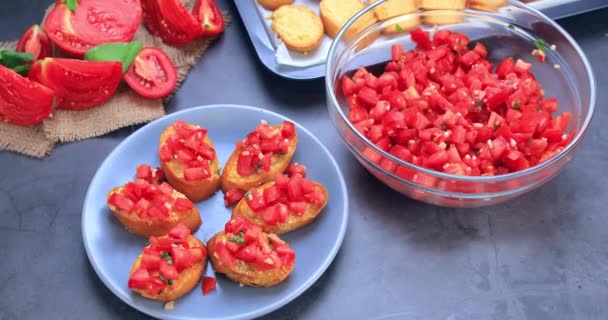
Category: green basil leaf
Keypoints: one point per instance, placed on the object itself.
(124, 52)
(23, 69)
(71, 4)
(12, 59)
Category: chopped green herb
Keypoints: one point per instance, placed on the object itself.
(207, 26)
(71, 4)
(496, 126)
(517, 105)
(541, 45)
(240, 239)
(398, 28)
(167, 281)
(538, 109)
(281, 152)
(165, 255)
(510, 26)
(444, 126)
(147, 244)
(478, 104)
(247, 194)
(258, 165)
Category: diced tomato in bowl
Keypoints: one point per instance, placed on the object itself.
(448, 120)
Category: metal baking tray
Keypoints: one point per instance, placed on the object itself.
(265, 49)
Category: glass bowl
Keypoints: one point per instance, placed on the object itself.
(508, 32)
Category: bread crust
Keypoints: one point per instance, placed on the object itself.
(230, 178)
(155, 227)
(174, 171)
(244, 273)
(186, 281)
(293, 221)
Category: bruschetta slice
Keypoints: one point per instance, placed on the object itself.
(283, 205)
(149, 209)
(169, 266)
(189, 160)
(257, 159)
(249, 256)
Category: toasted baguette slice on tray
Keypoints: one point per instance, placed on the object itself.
(169, 267)
(249, 256)
(265, 151)
(335, 13)
(152, 209)
(299, 27)
(189, 160)
(283, 205)
(274, 4)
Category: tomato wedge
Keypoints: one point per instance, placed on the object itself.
(171, 21)
(209, 16)
(78, 84)
(35, 41)
(93, 23)
(22, 101)
(152, 74)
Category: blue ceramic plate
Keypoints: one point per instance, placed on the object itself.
(112, 250)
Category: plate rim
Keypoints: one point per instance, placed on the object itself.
(264, 309)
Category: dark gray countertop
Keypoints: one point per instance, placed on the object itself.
(542, 256)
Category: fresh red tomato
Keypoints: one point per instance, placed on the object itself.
(94, 22)
(170, 20)
(22, 101)
(208, 285)
(78, 84)
(209, 16)
(152, 74)
(35, 41)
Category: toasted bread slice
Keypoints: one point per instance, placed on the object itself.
(274, 4)
(487, 5)
(442, 4)
(335, 13)
(393, 8)
(231, 179)
(298, 27)
(148, 227)
(294, 221)
(403, 24)
(245, 273)
(174, 169)
(443, 17)
(186, 281)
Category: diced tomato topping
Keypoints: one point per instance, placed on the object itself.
(168, 271)
(208, 285)
(233, 196)
(442, 106)
(197, 173)
(121, 202)
(296, 168)
(179, 233)
(139, 279)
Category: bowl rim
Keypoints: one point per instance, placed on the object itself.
(329, 84)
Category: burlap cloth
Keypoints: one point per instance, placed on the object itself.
(124, 109)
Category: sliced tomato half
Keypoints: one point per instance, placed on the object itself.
(93, 23)
(170, 20)
(152, 74)
(35, 41)
(78, 84)
(209, 16)
(22, 101)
